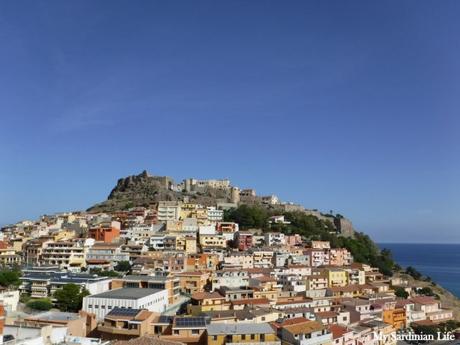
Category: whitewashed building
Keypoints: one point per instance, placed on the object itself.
(155, 300)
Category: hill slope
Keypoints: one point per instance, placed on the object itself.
(146, 189)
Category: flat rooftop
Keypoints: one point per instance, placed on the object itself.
(55, 316)
(239, 328)
(126, 293)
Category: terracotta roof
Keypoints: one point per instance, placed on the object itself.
(147, 340)
(326, 314)
(282, 301)
(424, 323)
(97, 261)
(206, 295)
(265, 278)
(143, 315)
(251, 301)
(305, 328)
(424, 300)
(289, 322)
(338, 331)
(403, 302)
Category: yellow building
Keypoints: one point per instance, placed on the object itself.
(18, 242)
(187, 210)
(190, 245)
(213, 241)
(207, 301)
(173, 226)
(240, 333)
(9, 257)
(197, 211)
(186, 244)
(201, 214)
(309, 332)
(191, 282)
(337, 277)
(64, 235)
(265, 287)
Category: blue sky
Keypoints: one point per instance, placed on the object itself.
(346, 106)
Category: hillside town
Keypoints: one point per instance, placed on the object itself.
(179, 272)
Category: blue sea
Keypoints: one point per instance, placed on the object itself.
(441, 262)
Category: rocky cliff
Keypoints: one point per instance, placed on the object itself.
(146, 189)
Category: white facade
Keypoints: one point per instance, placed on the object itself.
(207, 229)
(231, 279)
(240, 260)
(10, 300)
(168, 211)
(214, 214)
(274, 238)
(190, 225)
(98, 286)
(130, 298)
(140, 234)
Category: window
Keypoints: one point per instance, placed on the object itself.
(176, 331)
(195, 331)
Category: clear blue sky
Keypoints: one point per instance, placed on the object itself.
(351, 106)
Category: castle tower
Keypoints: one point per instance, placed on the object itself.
(235, 195)
(188, 185)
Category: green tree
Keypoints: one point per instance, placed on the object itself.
(40, 304)
(70, 297)
(427, 291)
(413, 272)
(248, 216)
(123, 266)
(422, 329)
(10, 278)
(449, 326)
(400, 292)
(310, 227)
(105, 273)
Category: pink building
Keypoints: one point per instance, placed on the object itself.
(340, 257)
(293, 240)
(244, 240)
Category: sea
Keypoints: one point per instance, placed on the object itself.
(441, 262)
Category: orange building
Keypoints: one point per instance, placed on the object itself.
(201, 262)
(395, 317)
(192, 282)
(107, 232)
(123, 324)
(2, 319)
